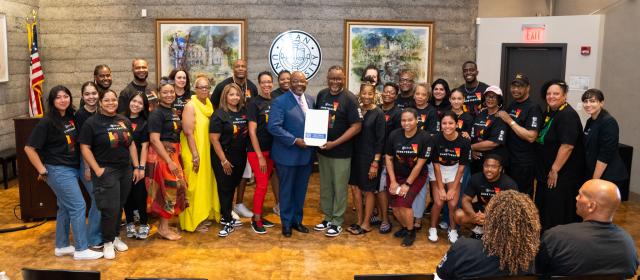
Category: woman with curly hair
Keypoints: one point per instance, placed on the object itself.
(508, 247)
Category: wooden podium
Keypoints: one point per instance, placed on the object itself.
(37, 200)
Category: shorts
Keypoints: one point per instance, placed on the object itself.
(247, 171)
(449, 173)
(414, 190)
(431, 172)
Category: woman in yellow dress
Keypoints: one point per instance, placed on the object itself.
(202, 193)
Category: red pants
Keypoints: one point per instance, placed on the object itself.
(262, 179)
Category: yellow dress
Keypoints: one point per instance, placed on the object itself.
(202, 192)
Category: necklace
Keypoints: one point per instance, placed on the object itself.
(473, 90)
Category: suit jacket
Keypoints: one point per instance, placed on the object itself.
(286, 123)
(601, 143)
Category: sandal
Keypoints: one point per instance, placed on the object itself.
(358, 230)
(385, 227)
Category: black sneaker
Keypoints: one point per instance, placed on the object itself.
(333, 231)
(324, 225)
(266, 223)
(401, 233)
(476, 236)
(258, 227)
(409, 238)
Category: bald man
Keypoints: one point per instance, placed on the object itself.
(593, 247)
(140, 70)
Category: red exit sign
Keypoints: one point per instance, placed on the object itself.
(533, 33)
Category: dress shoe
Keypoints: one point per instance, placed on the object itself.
(286, 231)
(300, 228)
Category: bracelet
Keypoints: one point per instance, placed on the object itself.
(141, 167)
(224, 162)
(512, 123)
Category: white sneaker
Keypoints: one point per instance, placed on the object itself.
(478, 230)
(242, 210)
(276, 209)
(131, 230)
(453, 236)
(64, 251)
(433, 234)
(87, 254)
(108, 251)
(226, 230)
(235, 215)
(443, 225)
(143, 232)
(119, 245)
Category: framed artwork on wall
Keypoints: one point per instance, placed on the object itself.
(391, 46)
(200, 46)
(4, 58)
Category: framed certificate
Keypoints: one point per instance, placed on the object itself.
(316, 125)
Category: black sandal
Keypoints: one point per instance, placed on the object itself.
(357, 230)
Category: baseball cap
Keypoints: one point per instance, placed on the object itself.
(521, 79)
(494, 89)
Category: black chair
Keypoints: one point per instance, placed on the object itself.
(7, 157)
(59, 274)
(146, 278)
(394, 277)
(591, 277)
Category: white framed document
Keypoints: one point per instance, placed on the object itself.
(316, 125)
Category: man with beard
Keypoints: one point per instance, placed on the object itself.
(102, 77)
(140, 69)
(248, 89)
(407, 88)
(472, 88)
(523, 117)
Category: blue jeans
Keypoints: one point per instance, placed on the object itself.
(63, 180)
(94, 235)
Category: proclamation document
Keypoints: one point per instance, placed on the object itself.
(316, 125)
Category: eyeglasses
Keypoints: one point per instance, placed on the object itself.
(203, 88)
(491, 96)
(406, 80)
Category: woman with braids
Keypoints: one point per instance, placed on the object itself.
(509, 244)
(165, 180)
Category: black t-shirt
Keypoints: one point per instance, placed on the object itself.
(473, 97)
(451, 152)
(180, 102)
(565, 127)
(109, 138)
(131, 90)
(465, 123)
(140, 132)
(467, 258)
(428, 119)
(445, 106)
(489, 127)
(258, 112)
(277, 92)
(528, 115)
(233, 129)
(165, 121)
(485, 190)
(343, 112)
(81, 116)
(406, 151)
(587, 248)
(54, 138)
(405, 102)
(249, 89)
(370, 140)
(392, 119)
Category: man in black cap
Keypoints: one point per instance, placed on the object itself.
(524, 118)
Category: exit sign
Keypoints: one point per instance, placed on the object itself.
(533, 33)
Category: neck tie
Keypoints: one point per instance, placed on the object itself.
(302, 104)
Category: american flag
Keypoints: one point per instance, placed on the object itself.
(36, 75)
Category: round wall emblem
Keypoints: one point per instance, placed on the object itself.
(295, 50)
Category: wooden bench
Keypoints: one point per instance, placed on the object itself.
(8, 156)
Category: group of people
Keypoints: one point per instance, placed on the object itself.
(177, 152)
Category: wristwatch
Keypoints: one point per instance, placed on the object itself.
(140, 167)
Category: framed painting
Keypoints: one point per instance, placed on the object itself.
(391, 46)
(200, 46)
(4, 59)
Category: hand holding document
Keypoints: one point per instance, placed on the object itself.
(316, 125)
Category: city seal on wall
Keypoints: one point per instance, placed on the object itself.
(295, 50)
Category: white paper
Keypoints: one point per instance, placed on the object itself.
(316, 125)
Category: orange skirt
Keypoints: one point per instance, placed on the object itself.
(166, 192)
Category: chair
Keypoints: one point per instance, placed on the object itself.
(7, 157)
(592, 277)
(59, 274)
(394, 277)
